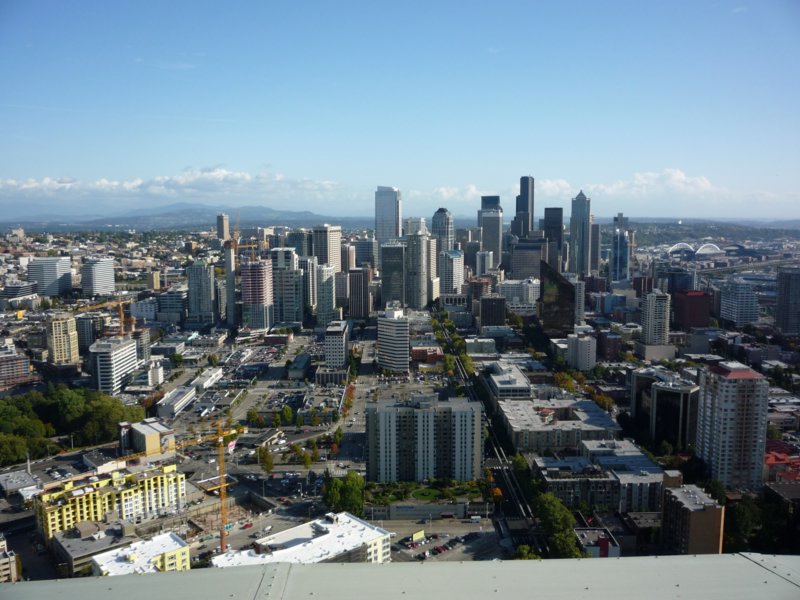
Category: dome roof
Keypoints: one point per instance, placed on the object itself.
(709, 249)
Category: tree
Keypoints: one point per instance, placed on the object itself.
(524, 552)
(286, 414)
(176, 359)
(716, 490)
(252, 416)
(276, 420)
(519, 464)
(299, 421)
(773, 433)
(265, 459)
(665, 448)
(213, 360)
(306, 459)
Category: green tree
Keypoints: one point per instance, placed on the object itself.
(525, 552)
(252, 416)
(213, 360)
(300, 420)
(286, 414)
(265, 459)
(176, 359)
(773, 433)
(519, 464)
(306, 459)
(276, 420)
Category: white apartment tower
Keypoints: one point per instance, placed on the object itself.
(114, 360)
(739, 303)
(326, 295)
(97, 277)
(52, 273)
(202, 293)
(393, 340)
(451, 268)
(655, 318)
(732, 424)
(336, 344)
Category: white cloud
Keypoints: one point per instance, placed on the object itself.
(668, 181)
(557, 188)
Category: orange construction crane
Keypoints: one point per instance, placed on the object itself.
(111, 303)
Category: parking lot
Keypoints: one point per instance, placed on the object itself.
(445, 539)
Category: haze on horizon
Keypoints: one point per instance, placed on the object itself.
(681, 109)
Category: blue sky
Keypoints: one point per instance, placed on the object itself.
(661, 108)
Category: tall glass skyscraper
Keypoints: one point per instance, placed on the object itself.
(388, 215)
(580, 235)
(443, 230)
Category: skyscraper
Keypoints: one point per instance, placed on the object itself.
(309, 265)
(655, 318)
(257, 302)
(113, 362)
(416, 271)
(787, 310)
(388, 215)
(326, 295)
(97, 277)
(223, 227)
(732, 424)
(580, 235)
(393, 273)
(557, 303)
(594, 252)
(360, 297)
(451, 265)
(490, 220)
(287, 286)
(442, 228)
(739, 303)
(619, 268)
(393, 340)
(484, 262)
(327, 245)
(202, 293)
(524, 218)
(230, 283)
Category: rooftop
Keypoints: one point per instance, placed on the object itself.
(692, 497)
(139, 556)
(707, 577)
(735, 370)
(316, 541)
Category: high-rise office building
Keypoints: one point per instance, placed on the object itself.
(580, 235)
(619, 267)
(62, 339)
(327, 245)
(581, 352)
(787, 310)
(336, 355)
(52, 273)
(416, 271)
(360, 296)
(230, 283)
(153, 280)
(302, 241)
(413, 225)
(366, 252)
(326, 295)
(393, 273)
(257, 298)
(342, 288)
(432, 267)
(348, 257)
(527, 256)
(557, 303)
(739, 303)
(172, 305)
(493, 310)
(90, 327)
(484, 262)
(553, 225)
(443, 229)
(732, 424)
(580, 297)
(287, 291)
(284, 258)
(223, 227)
(655, 318)
(393, 340)
(451, 263)
(424, 439)
(309, 265)
(97, 277)
(388, 215)
(113, 362)
(201, 297)
(523, 223)
(142, 339)
(490, 220)
(594, 253)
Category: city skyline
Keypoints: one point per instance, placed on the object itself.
(681, 110)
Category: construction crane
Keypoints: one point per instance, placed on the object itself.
(111, 303)
(219, 436)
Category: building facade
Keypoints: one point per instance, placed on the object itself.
(113, 362)
(393, 340)
(97, 277)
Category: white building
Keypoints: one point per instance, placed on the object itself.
(336, 344)
(581, 352)
(257, 303)
(519, 293)
(114, 360)
(506, 380)
(738, 302)
(97, 277)
(339, 538)
(201, 298)
(176, 401)
(655, 318)
(732, 424)
(580, 301)
(145, 310)
(327, 240)
(451, 269)
(165, 552)
(393, 340)
(484, 262)
(326, 294)
(52, 273)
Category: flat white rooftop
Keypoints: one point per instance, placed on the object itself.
(139, 556)
(316, 541)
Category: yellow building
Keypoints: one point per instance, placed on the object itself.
(62, 339)
(133, 496)
(165, 552)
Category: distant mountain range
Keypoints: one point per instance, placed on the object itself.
(193, 216)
